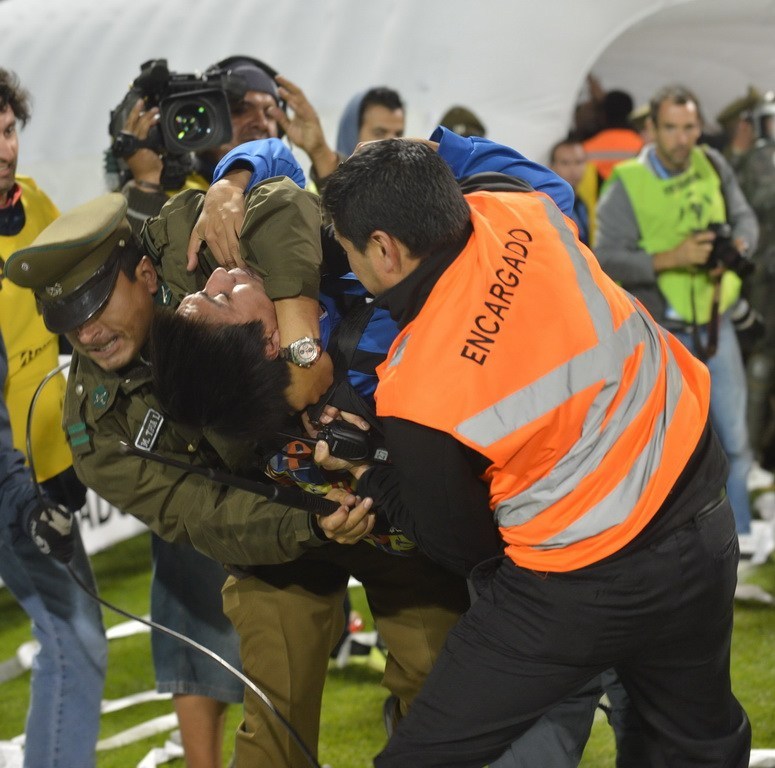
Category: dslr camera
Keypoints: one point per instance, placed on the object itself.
(194, 116)
(724, 253)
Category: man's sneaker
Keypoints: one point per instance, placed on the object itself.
(764, 505)
(753, 593)
(759, 478)
(361, 648)
(757, 546)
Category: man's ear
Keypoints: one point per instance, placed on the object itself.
(393, 256)
(145, 272)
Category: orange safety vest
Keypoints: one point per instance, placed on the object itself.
(611, 146)
(526, 352)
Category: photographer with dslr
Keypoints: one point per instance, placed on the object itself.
(674, 229)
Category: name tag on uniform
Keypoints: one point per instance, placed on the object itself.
(149, 431)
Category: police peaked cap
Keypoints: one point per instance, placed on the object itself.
(72, 265)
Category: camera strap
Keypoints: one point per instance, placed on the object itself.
(343, 349)
(706, 351)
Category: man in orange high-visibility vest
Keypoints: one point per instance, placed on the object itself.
(525, 385)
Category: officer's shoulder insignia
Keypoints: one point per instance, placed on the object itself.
(149, 430)
(78, 437)
(100, 397)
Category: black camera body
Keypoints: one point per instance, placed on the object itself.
(724, 253)
(348, 442)
(194, 115)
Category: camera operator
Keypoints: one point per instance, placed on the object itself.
(251, 93)
(656, 237)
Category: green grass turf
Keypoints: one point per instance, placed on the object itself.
(351, 728)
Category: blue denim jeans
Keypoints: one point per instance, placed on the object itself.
(728, 414)
(186, 597)
(558, 738)
(68, 673)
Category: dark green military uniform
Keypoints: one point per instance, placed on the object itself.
(288, 616)
(756, 174)
(729, 117)
(103, 409)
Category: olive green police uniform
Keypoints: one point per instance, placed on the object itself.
(728, 118)
(288, 611)
(756, 174)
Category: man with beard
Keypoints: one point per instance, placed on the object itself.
(656, 234)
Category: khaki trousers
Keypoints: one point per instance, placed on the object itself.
(289, 618)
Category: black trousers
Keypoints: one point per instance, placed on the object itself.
(661, 616)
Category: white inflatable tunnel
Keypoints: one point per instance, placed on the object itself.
(520, 65)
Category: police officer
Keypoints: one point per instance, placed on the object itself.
(98, 287)
(251, 91)
(756, 174)
(738, 135)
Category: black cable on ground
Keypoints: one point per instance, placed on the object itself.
(152, 624)
(202, 649)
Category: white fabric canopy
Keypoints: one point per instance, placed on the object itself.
(716, 47)
(519, 65)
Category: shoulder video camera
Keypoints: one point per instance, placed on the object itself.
(724, 253)
(194, 111)
(194, 115)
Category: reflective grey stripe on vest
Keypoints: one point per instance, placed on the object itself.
(611, 154)
(602, 362)
(399, 353)
(616, 507)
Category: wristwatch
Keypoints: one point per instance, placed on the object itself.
(303, 352)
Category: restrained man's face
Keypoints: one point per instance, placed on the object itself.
(9, 152)
(676, 132)
(234, 298)
(115, 336)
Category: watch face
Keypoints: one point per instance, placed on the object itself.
(305, 351)
(302, 352)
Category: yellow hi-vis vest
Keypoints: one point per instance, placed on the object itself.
(32, 349)
(526, 352)
(667, 212)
